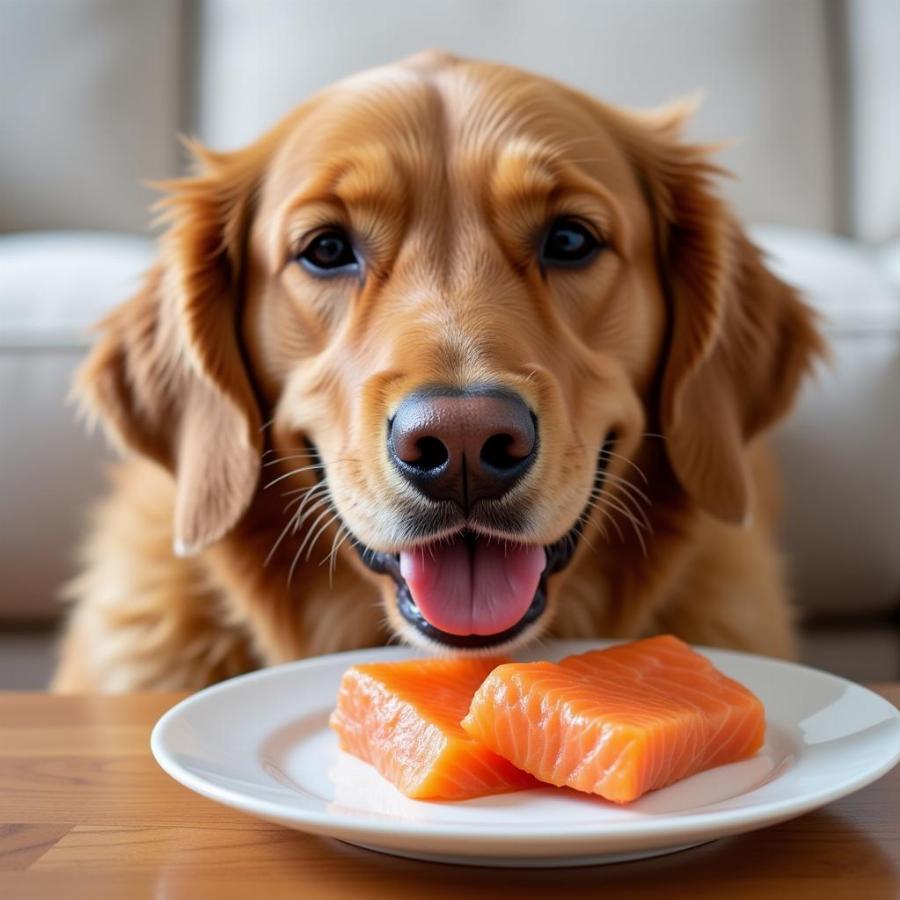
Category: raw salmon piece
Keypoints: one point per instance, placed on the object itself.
(617, 722)
(403, 718)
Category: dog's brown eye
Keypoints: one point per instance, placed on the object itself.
(569, 243)
(328, 253)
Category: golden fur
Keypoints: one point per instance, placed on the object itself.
(677, 339)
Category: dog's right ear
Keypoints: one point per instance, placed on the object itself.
(740, 339)
(167, 377)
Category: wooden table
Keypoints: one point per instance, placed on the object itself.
(86, 813)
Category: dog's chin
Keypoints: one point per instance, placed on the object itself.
(473, 591)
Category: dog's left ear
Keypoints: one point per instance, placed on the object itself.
(740, 339)
(167, 377)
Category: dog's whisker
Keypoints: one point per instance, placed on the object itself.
(632, 494)
(626, 485)
(309, 504)
(632, 503)
(609, 454)
(294, 561)
(335, 547)
(572, 540)
(292, 523)
(324, 512)
(307, 508)
(281, 459)
(313, 509)
(304, 450)
(639, 511)
(330, 556)
(298, 553)
(340, 536)
(596, 523)
(287, 456)
(325, 526)
(610, 519)
(292, 472)
(594, 504)
(278, 541)
(317, 465)
(637, 526)
(304, 492)
(617, 503)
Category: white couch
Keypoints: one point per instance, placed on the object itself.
(93, 93)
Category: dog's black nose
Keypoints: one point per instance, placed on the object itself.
(463, 445)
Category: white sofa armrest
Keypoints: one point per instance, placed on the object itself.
(840, 448)
(53, 287)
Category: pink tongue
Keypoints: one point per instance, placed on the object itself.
(484, 588)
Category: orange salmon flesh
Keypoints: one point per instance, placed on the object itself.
(617, 722)
(403, 718)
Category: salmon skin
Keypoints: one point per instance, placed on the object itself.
(403, 718)
(617, 722)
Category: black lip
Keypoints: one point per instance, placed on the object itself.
(559, 553)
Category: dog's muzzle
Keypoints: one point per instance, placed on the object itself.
(472, 591)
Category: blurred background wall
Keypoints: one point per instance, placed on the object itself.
(94, 92)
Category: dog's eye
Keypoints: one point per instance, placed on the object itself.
(328, 253)
(569, 243)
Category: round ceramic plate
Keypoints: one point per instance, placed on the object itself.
(261, 743)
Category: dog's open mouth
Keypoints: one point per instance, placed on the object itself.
(473, 591)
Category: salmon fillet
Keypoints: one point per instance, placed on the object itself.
(617, 722)
(403, 718)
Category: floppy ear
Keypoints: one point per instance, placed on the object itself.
(739, 339)
(167, 377)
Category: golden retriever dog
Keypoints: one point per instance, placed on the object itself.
(454, 355)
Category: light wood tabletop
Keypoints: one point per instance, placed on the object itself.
(86, 813)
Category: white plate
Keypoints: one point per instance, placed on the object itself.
(261, 743)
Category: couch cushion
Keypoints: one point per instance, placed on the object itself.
(839, 449)
(55, 285)
(52, 288)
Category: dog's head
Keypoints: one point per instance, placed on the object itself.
(458, 296)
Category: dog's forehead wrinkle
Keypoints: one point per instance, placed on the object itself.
(439, 142)
(389, 108)
(371, 175)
